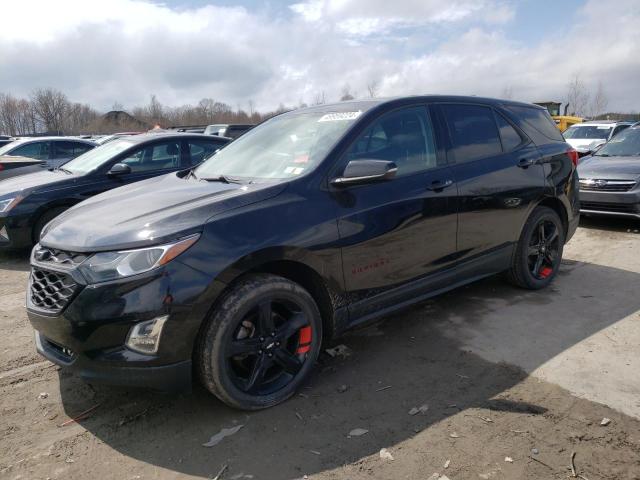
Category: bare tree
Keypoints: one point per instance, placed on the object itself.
(320, 99)
(507, 92)
(51, 107)
(577, 96)
(373, 88)
(599, 102)
(346, 93)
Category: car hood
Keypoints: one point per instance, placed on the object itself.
(150, 212)
(585, 144)
(18, 159)
(616, 168)
(25, 184)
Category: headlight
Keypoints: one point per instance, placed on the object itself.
(105, 266)
(8, 203)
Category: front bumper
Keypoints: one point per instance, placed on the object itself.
(175, 377)
(617, 204)
(88, 334)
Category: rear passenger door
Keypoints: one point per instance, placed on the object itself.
(398, 231)
(498, 173)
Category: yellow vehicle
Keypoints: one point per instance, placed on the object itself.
(562, 121)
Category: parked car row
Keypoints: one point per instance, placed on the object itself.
(587, 137)
(238, 266)
(610, 177)
(28, 155)
(30, 201)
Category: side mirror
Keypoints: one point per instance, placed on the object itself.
(119, 169)
(365, 171)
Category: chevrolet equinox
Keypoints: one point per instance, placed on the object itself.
(318, 220)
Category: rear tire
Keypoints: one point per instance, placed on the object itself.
(538, 254)
(45, 218)
(276, 326)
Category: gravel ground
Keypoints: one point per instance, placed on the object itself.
(512, 383)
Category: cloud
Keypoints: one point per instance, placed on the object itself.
(129, 49)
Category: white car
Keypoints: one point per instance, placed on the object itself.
(586, 137)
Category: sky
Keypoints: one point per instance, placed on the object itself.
(271, 53)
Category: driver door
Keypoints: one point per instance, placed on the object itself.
(397, 233)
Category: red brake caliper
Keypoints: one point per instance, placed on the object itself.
(545, 272)
(304, 343)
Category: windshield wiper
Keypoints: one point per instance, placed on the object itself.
(221, 178)
(62, 169)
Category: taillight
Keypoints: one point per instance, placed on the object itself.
(1, 167)
(573, 155)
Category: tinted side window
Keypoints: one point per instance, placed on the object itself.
(510, 137)
(63, 149)
(201, 150)
(539, 119)
(38, 150)
(404, 137)
(618, 129)
(81, 148)
(160, 156)
(473, 132)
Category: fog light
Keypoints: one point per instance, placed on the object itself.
(3, 234)
(144, 337)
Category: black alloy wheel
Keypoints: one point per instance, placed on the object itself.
(538, 253)
(268, 348)
(543, 249)
(260, 343)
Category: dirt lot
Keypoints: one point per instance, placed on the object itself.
(514, 381)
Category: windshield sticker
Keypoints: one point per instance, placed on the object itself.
(301, 159)
(339, 116)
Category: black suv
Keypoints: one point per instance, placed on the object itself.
(313, 222)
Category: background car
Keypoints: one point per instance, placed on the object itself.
(586, 137)
(314, 222)
(5, 139)
(109, 138)
(228, 130)
(28, 155)
(610, 178)
(29, 202)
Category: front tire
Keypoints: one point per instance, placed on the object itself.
(260, 343)
(538, 253)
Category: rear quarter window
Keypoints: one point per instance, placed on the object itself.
(473, 132)
(538, 119)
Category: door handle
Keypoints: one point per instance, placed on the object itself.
(526, 162)
(439, 185)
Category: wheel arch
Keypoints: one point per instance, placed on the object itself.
(42, 210)
(557, 206)
(297, 265)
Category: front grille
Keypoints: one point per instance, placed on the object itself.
(598, 185)
(53, 256)
(608, 207)
(51, 291)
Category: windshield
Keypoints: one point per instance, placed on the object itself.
(588, 132)
(95, 158)
(625, 144)
(10, 146)
(286, 146)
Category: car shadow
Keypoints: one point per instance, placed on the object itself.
(17, 260)
(611, 224)
(453, 353)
